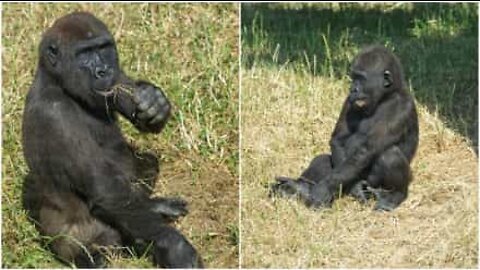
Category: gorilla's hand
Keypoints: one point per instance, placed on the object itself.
(171, 208)
(152, 106)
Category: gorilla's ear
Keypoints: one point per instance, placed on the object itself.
(387, 78)
(52, 54)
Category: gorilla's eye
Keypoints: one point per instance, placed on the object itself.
(53, 50)
(358, 75)
(358, 78)
(108, 52)
(83, 57)
(105, 46)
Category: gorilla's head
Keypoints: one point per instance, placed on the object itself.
(79, 53)
(375, 73)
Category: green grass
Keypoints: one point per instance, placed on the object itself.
(295, 61)
(191, 51)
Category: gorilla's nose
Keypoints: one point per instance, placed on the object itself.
(101, 71)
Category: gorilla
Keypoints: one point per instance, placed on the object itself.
(86, 186)
(373, 142)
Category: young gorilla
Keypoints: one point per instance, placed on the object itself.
(79, 189)
(373, 143)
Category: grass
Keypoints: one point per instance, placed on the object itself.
(189, 50)
(295, 58)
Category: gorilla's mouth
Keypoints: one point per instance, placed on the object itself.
(360, 103)
(103, 86)
(114, 90)
(105, 92)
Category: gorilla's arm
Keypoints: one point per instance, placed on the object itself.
(340, 133)
(113, 200)
(375, 135)
(147, 107)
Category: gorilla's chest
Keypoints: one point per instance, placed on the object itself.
(102, 137)
(354, 119)
(108, 137)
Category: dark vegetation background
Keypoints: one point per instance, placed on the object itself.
(437, 44)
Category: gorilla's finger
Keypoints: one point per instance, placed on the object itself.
(158, 118)
(161, 99)
(150, 112)
(144, 97)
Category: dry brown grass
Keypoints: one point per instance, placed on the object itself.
(191, 51)
(287, 118)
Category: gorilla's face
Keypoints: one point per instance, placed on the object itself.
(95, 65)
(371, 79)
(80, 53)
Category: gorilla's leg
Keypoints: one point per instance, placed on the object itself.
(172, 250)
(31, 197)
(389, 179)
(76, 235)
(319, 168)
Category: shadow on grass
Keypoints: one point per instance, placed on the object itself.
(437, 43)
